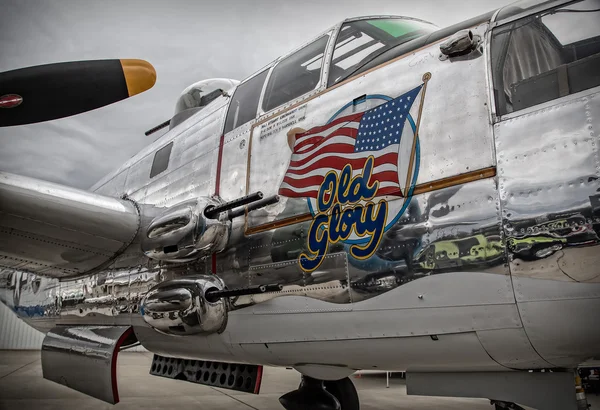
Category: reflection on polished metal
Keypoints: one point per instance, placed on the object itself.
(69, 231)
(490, 252)
(551, 213)
(84, 358)
(183, 232)
(180, 306)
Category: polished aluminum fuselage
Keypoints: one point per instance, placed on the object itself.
(468, 261)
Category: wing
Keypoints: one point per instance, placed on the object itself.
(58, 231)
(47, 228)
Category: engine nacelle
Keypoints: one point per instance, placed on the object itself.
(180, 307)
(183, 233)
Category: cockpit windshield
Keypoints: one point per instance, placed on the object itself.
(360, 41)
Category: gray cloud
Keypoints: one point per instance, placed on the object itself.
(186, 41)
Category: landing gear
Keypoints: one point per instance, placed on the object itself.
(504, 405)
(345, 392)
(314, 394)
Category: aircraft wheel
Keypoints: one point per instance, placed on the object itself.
(504, 405)
(345, 392)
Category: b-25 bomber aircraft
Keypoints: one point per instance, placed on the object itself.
(389, 196)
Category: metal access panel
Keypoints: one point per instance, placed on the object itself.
(233, 376)
(84, 358)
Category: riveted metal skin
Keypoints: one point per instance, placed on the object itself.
(495, 252)
(550, 189)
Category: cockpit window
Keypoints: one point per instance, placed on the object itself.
(360, 41)
(295, 75)
(244, 103)
(546, 56)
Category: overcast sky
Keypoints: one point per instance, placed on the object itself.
(186, 41)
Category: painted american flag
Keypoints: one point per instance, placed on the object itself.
(350, 139)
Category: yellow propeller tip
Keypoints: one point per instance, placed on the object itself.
(139, 75)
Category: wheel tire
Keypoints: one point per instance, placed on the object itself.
(345, 392)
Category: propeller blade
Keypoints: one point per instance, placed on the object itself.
(51, 91)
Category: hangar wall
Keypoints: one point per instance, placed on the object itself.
(15, 334)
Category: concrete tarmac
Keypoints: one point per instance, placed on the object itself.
(22, 387)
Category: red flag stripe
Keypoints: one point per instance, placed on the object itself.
(341, 132)
(321, 171)
(316, 130)
(292, 194)
(329, 149)
(317, 180)
(307, 143)
(297, 165)
(329, 131)
(385, 191)
(336, 162)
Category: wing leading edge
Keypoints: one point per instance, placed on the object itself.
(59, 231)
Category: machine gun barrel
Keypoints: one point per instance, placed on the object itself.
(158, 127)
(253, 206)
(214, 295)
(213, 212)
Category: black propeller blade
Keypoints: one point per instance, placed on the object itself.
(52, 91)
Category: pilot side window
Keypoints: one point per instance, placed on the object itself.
(244, 103)
(295, 75)
(547, 56)
(161, 160)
